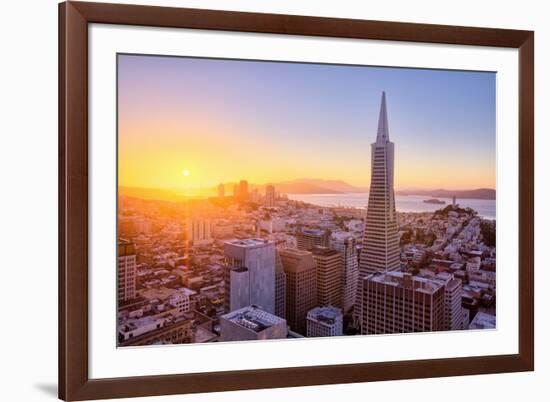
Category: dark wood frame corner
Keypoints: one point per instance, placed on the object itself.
(74, 382)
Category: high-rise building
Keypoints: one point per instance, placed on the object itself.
(280, 287)
(199, 231)
(235, 190)
(221, 190)
(243, 190)
(301, 286)
(250, 275)
(306, 239)
(269, 195)
(126, 271)
(397, 302)
(325, 321)
(453, 319)
(237, 288)
(251, 323)
(347, 247)
(453, 301)
(329, 276)
(380, 252)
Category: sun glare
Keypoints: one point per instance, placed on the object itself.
(186, 172)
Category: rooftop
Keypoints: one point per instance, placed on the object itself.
(313, 232)
(293, 252)
(418, 283)
(341, 236)
(325, 314)
(483, 321)
(248, 242)
(253, 318)
(323, 251)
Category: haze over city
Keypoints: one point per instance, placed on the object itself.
(187, 124)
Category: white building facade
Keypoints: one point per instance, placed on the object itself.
(250, 279)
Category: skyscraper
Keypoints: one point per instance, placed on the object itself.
(237, 288)
(126, 271)
(453, 299)
(301, 286)
(380, 252)
(329, 276)
(280, 287)
(250, 276)
(270, 195)
(346, 245)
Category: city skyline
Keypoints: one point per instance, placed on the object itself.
(255, 266)
(256, 119)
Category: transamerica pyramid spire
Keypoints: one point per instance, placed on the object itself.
(383, 134)
(380, 252)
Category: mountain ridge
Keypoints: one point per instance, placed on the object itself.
(303, 186)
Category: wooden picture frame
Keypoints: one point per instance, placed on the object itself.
(74, 381)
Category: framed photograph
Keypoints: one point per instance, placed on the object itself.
(260, 200)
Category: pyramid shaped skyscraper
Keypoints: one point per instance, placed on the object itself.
(380, 251)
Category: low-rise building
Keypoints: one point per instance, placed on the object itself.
(325, 321)
(251, 323)
(483, 321)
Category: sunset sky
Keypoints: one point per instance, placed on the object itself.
(226, 120)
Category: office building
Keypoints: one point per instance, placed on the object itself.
(325, 321)
(237, 288)
(280, 287)
(250, 274)
(329, 276)
(453, 302)
(126, 271)
(301, 286)
(397, 302)
(347, 247)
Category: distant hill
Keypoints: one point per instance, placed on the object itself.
(479, 193)
(303, 188)
(317, 186)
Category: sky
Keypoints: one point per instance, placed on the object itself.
(222, 120)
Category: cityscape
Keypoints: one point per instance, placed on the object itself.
(243, 260)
